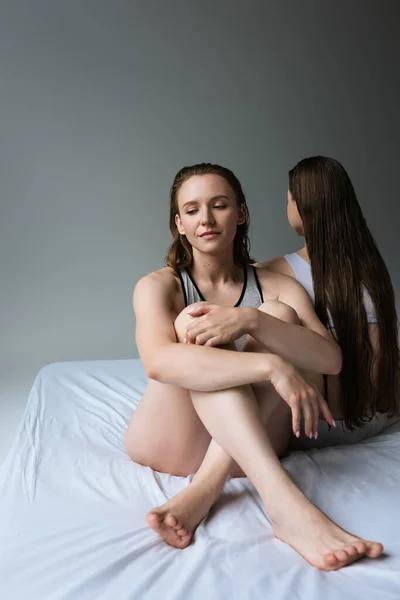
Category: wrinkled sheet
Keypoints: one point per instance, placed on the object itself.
(73, 505)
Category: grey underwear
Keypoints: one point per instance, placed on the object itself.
(340, 434)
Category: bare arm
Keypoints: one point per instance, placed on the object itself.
(192, 367)
(302, 347)
(207, 369)
(307, 346)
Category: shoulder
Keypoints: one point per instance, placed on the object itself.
(289, 291)
(165, 277)
(277, 265)
(275, 284)
(164, 283)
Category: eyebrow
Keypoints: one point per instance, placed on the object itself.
(220, 196)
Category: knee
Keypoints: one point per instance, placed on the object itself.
(281, 311)
(182, 321)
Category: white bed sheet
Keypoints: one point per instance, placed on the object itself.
(72, 508)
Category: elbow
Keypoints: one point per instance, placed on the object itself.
(152, 370)
(336, 363)
(154, 367)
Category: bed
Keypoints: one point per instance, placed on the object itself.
(72, 508)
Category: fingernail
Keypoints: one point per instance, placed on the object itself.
(297, 434)
(311, 436)
(333, 423)
(316, 435)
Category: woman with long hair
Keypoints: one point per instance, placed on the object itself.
(344, 273)
(230, 351)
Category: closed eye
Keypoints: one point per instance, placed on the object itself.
(193, 211)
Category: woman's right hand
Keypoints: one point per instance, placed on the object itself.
(303, 398)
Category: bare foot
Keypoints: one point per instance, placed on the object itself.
(177, 519)
(322, 543)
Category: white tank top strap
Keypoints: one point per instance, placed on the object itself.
(302, 272)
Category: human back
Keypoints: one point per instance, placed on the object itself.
(343, 271)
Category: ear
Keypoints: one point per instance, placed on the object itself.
(179, 225)
(241, 215)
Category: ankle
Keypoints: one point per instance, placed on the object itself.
(288, 505)
(208, 485)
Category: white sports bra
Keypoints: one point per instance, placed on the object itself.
(302, 271)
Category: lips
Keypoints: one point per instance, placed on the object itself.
(209, 233)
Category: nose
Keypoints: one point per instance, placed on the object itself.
(207, 217)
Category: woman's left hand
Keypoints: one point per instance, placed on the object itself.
(215, 325)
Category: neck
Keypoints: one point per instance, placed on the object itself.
(214, 269)
(304, 253)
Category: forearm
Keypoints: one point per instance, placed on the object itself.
(206, 369)
(302, 347)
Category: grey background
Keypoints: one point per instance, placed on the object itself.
(101, 102)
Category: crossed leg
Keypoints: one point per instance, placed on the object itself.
(177, 519)
(254, 433)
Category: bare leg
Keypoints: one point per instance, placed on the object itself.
(177, 519)
(233, 420)
(295, 519)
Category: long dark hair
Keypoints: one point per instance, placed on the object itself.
(180, 253)
(346, 262)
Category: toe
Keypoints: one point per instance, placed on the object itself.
(153, 519)
(352, 551)
(330, 560)
(169, 528)
(360, 546)
(186, 539)
(342, 556)
(374, 549)
(170, 521)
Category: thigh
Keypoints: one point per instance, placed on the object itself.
(275, 415)
(165, 432)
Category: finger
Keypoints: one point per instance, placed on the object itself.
(215, 341)
(308, 417)
(296, 414)
(315, 410)
(195, 324)
(324, 409)
(202, 339)
(197, 311)
(189, 337)
(309, 396)
(193, 332)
